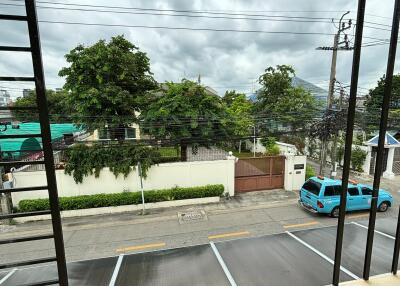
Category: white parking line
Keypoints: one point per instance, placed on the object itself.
(223, 265)
(348, 272)
(8, 276)
(377, 231)
(116, 270)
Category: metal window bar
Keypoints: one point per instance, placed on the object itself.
(382, 134)
(42, 108)
(349, 139)
(34, 38)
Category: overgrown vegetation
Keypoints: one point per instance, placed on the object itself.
(124, 198)
(82, 160)
(310, 172)
(272, 149)
(358, 157)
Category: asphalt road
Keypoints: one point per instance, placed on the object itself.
(249, 215)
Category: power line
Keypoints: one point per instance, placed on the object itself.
(196, 29)
(199, 13)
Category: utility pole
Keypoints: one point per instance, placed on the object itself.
(335, 138)
(337, 45)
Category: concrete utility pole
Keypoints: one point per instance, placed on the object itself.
(337, 45)
(335, 139)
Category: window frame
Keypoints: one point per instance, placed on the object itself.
(107, 131)
(317, 184)
(352, 188)
(126, 133)
(369, 189)
(334, 191)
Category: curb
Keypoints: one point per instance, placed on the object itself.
(122, 209)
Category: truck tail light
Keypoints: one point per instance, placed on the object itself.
(320, 205)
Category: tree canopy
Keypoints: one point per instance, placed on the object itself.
(374, 101)
(58, 111)
(186, 113)
(281, 103)
(107, 83)
(240, 113)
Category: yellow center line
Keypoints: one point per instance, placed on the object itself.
(301, 224)
(231, 234)
(141, 247)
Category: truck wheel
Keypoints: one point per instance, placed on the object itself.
(335, 212)
(383, 207)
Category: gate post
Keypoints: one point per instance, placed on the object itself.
(271, 162)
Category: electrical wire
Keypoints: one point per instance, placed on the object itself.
(162, 12)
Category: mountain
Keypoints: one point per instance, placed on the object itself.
(319, 93)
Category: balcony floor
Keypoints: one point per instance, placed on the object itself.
(379, 280)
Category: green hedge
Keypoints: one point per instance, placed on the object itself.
(125, 198)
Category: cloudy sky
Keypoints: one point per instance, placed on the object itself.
(225, 60)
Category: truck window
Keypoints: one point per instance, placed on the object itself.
(353, 191)
(331, 191)
(366, 191)
(312, 186)
(338, 189)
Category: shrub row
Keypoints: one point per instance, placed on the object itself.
(125, 198)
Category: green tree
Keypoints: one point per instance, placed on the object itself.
(107, 84)
(186, 113)
(240, 114)
(358, 157)
(58, 111)
(373, 104)
(281, 103)
(230, 96)
(272, 149)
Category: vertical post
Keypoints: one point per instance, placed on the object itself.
(271, 162)
(332, 78)
(46, 139)
(349, 139)
(335, 141)
(382, 134)
(396, 251)
(141, 187)
(254, 141)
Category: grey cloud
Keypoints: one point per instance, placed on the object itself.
(225, 60)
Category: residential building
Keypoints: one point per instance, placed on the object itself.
(5, 97)
(26, 92)
(132, 132)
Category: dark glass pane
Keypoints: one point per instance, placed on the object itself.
(312, 187)
(353, 192)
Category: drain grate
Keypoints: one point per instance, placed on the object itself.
(192, 215)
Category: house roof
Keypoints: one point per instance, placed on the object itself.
(57, 132)
(389, 140)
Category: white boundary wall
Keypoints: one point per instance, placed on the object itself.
(162, 176)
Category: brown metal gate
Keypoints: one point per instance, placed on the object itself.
(254, 174)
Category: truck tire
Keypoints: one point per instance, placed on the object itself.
(335, 212)
(383, 207)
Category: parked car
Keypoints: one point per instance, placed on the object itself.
(322, 195)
